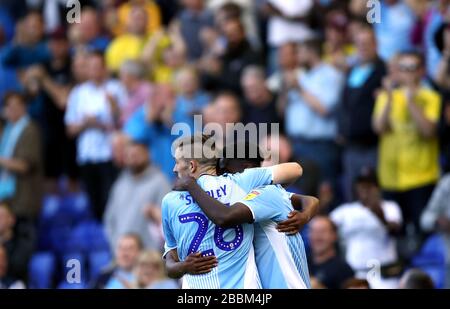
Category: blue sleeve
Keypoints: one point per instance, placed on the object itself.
(253, 177)
(265, 203)
(170, 241)
(334, 81)
(137, 127)
(10, 55)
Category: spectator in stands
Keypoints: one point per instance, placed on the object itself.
(242, 9)
(355, 283)
(436, 216)
(224, 73)
(80, 72)
(355, 110)
(310, 112)
(365, 229)
(139, 91)
(88, 33)
(395, 32)
(153, 22)
(51, 83)
(7, 282)
(225, 109)
(93, 112)
(259, 105)
(129, 45)
(193, 19)
(165, 54)
(287, 63)
(151, 124)
(406, 121)
(327, 269)
(442, 77)
(18, 243)
(28, 46)
(444, 132)
(117, 275)
(280, 150)
(191, 99)
(288, 21)
(337, 50)
(150, 272)
(135, 198)
(20, 161)
(416, 279)
(55, 12)
(437, 14)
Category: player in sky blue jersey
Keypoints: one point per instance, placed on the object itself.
(280, 258)
(188, 232)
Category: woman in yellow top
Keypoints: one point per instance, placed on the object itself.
(406, 120)
(151, 8)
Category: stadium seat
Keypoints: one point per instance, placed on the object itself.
(76, 206)
(66, 285)
(50, 206)
(98, 237)
(88, 236)
(97, 261)
(431, 259)
(60, 238)
(41, 270)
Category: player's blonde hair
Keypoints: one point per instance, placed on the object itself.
(198, 147)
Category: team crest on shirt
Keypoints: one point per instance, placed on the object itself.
(251, 195)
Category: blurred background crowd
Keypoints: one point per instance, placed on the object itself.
(88, 107)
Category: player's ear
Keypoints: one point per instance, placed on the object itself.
(193, 166)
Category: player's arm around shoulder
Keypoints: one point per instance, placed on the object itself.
(285, 173)
(194, 264)
(306, 207)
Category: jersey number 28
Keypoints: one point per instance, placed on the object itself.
(219, 240)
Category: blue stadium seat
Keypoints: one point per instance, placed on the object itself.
(41, 270)
(50, 207)
(86, 237)
(76, 206)
(66, 285)
(98, 260)
(78, 240)
(99, 241)
(431, 259)
(60, 236)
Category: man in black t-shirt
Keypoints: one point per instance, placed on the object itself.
(327, 269)
(50, 84)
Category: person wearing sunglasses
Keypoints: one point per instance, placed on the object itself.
(405, 117)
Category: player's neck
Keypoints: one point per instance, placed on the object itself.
(206, 171)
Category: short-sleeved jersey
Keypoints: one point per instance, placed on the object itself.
(187, 229)
(280, 259)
